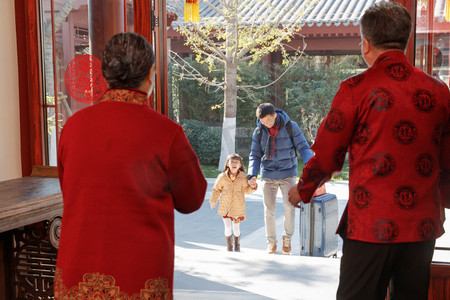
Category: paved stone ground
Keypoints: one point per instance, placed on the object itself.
(204, 270)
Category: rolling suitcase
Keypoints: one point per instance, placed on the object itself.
(318, 224)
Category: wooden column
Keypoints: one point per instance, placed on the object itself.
(160, 29)
(106, 18)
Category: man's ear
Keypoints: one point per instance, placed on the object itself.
(366, 47)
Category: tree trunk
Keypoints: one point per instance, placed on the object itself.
(228, 145)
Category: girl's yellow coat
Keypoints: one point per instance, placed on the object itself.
(231, 193)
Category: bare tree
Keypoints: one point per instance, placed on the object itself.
(241, 31)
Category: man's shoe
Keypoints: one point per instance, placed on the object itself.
(271, 248)
(286, 245)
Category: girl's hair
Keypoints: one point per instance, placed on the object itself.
(127, 59)
(236, 157)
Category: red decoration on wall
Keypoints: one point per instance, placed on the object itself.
(84, 79)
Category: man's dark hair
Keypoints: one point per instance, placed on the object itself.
(265, 109)
(386, 25)
(127, 59)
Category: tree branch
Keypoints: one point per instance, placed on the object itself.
(217, 11)
(282, 74)
(193, 73)
(209, 44)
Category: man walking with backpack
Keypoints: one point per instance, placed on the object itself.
(275, 143)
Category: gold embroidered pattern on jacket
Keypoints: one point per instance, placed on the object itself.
(125, 95)
(101, 286)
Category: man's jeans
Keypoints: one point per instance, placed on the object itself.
(270, 188)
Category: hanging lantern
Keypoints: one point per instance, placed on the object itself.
(447, 10)
(191, 11)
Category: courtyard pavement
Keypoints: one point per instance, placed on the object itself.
(204, 270)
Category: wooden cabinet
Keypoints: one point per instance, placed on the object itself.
(30, 218)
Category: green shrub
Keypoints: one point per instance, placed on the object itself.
(204, 140)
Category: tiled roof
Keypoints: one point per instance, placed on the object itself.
(340, 12)
(324, 12)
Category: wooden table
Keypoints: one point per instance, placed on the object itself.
(30, 217)
(28, 200)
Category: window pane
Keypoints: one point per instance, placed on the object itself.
(433, 39)
(432, 56)
(48, 79)
(75, 31)
(51, 134)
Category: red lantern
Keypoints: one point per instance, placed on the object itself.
(191, 11)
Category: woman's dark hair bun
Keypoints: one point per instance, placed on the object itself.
(127, 59)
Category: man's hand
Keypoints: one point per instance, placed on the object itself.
(294, 196)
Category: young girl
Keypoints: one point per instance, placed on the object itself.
(231, 186)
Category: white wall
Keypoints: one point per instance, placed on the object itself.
(10, 159)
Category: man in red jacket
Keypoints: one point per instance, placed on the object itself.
(393, 119)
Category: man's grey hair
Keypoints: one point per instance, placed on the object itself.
(386, 25)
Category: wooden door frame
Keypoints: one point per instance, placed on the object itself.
(30, 83)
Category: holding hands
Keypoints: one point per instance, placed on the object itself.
(252, 183)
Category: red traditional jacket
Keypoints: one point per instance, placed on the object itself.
(123, 169)
(393, 119)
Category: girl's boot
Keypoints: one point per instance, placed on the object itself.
(229, 240)
(237, 246)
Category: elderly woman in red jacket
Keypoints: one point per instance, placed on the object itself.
(123, 169)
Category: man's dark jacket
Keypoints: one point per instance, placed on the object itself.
(283, 163)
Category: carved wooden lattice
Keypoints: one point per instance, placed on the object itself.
(34, 262)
